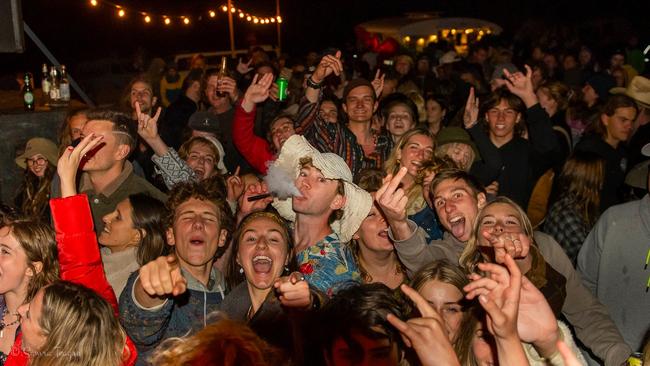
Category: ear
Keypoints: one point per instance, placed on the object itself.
(481, 200)
(518, 118)
(38, 268)
(604, 119)
(374, 108)
(122, 152)
(154, 102)
(222, 238)
(398, 154)
(238, 260)
(289, 256)
(169, 234)
(345, 107)
(356, 236)
(338, 202)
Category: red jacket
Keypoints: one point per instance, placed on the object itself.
(79, 261)
(256, 150)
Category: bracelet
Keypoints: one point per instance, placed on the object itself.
(312, 84)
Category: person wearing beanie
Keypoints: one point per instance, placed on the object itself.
(358, 144)
(597, 88)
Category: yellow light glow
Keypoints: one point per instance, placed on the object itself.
(453, 31)
(232, 10)
(93, 2)
(420, 42)
(147, 19)
(279, 19)
(241, 15)
(272, 20)
(224, 8)
(167, 21)
(212, 14)
(468, 31)
(480, 33)
(407, 39)
(249, 18)
(433, 38)
(121, 13)
(186, 21)
(445, 33)
(255, 20)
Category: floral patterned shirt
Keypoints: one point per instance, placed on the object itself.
(328, 264)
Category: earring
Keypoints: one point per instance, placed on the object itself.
(286, 269)
(241, 270)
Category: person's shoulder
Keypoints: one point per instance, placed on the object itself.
(137, 184)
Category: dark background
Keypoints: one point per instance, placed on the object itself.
(75, 32)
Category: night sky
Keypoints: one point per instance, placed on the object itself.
(75, 31)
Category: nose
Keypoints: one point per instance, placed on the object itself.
(420, 154)
(449, 207)
(262, 243)
(197, 223)
(107, 218)
(497, 229)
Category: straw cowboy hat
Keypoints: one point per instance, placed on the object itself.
(357, 201)
(639, 90)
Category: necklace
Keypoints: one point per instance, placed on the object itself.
(4, 325)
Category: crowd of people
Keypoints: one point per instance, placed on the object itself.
(429, 210)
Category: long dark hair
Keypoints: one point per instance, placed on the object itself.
(148, 215)
(34, 193)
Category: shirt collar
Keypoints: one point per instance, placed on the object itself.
(86, 184)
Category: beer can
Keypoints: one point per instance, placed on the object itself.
(283, 85)
(636, 359)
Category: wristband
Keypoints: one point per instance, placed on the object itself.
(312, 84)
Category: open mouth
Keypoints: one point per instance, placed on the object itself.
(199, 172)
(196, 241)
(383, 233)
(457, 226)
(262, 264)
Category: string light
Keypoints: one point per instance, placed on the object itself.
(149, 17)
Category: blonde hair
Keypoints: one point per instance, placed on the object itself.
(224, 343)
(184, 150)
(442, 152)
(471, 255)
(81, 328)
(443, 271)
(415, 198)
(559, 92)
(38, 243)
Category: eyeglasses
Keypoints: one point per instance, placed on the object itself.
(496, 112)
(36, 161)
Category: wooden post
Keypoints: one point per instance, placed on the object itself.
(232, 30)
(277, 23)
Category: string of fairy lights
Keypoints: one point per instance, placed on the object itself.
(168, 19)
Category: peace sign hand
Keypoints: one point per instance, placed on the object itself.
(426, 335)
(378, 83)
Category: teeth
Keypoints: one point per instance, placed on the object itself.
(258, 258)
(416, 163)
(455, 219)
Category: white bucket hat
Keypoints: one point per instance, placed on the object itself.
(357, 201)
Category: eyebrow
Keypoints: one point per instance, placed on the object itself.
(454, 190)
(197, 212)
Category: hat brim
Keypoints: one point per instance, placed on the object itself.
(358, 202)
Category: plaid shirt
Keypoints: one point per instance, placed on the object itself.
(338, 139)
(567, 227)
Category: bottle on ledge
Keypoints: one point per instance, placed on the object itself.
(45, 85)
(55, 92)
(64, 86)
(28, 93)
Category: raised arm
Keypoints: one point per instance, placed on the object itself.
(255, 149)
